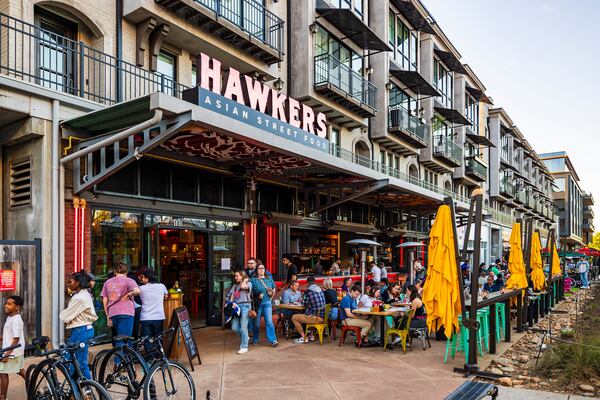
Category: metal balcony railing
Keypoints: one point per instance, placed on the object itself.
(521, 196)
(531, 201)
(329, 69)
(475, 166)
(38, 56)
(507, 187)
(252, 17)
(399, 117)
(446, 147)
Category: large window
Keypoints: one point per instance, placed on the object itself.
(472, 113)
(504, 147)
(441, 128)
(166, 69)
(443, 82)
(560, 184)
(398, 97)
(359, 7)
(555, 164)
(404, 41)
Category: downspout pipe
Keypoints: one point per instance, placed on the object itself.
(56, 238)
(158, 114)
(119, 26)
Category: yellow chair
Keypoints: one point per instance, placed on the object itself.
(320, 327)
(402, 330)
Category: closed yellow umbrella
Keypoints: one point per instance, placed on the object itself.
(516, 266)
(555, 263)
(441, 294)
(538, 278)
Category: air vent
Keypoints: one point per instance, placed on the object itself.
(20, 183)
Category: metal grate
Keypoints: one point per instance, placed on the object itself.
(20, 183)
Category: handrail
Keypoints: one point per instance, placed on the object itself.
(447, 147)
(399, 117)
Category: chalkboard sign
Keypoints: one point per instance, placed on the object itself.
(181, 323)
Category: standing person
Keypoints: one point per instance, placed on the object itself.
(375, 274)
(318, 268)
(12, 334)
(117, 299)
(251, 267)
(466, 265)
(263, 289)
(583, 268)
(314, 303)
(241, 294)
(383, 270)
(292, 270)
(346, 285)
(335, 267)
(152, 316)
(79, 316)
(348, 318)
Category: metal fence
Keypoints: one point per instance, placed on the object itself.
(39, 56)
(446, 147)
(329, 69)
(399, 117)
(473, 164)
(252, 17)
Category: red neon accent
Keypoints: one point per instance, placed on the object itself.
(76, 240)
(82, 240)
(401, 253)
(271, 250)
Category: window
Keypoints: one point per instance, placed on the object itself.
(193, 80)
(555, 164)
(443, 81)
(560, 184)
(441, 128)
(504, 145)
(472, 113)
(334, 137)
(166, 71)
(20, 183)
(400, 98)
(404, 41)
(358, 6)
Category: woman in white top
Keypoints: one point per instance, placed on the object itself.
(153, 295)
(79, 316)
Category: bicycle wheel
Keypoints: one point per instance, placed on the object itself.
(91, 390)
(50, 380)
(169, 380)
(97, 363)
(122, 374)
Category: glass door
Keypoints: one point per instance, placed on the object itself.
(225, 256)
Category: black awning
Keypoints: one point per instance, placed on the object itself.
(451, 61)
(414, 17)
(479, 139)
(353, 27)
(413, 80)
(478, 94)
(452, 115)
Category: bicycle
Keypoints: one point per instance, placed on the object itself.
(53, 379)
(162, 378)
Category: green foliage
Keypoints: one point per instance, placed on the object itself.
(573, 362)
(595, 244)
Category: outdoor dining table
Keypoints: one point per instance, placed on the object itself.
(286, 320)
(390, 312)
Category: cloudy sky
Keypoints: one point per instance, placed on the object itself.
(540, 61)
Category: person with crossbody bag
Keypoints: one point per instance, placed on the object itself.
(263, 288)
(241, 294)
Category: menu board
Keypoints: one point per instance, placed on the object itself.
(181, 323)
(8, 280)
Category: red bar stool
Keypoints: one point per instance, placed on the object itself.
(195, 302)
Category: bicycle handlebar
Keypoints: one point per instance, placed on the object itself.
(9, 348)
(72, 347)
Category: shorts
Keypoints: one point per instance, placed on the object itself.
(13, 365)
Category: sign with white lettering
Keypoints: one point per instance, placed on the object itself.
(250, 101)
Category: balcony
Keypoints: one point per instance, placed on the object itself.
(408, 127)
(530, 203)
(588, 212)
(41, 57)
(447, 150)
(245, 23)
(588, 226)
(507, 188)
(475, 168)
(521, 197)
(339, 83)
(588, 199)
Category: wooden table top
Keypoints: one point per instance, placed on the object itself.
(294, 307)
(391, 312)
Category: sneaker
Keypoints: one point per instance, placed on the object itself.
(300, 340)
(254, 343)
(243, 350)
(311, 338)
(275, 343)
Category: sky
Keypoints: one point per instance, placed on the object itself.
(540, 61)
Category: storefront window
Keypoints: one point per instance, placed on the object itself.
(224, 226)
(183, 222)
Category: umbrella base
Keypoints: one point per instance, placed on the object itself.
(473, 370)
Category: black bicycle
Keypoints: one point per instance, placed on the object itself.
(59, 377)
(126, 372)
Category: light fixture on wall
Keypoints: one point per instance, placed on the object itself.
(314, 28)
(278, 84)
(368, 70)
(389, 86)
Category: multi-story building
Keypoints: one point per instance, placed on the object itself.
(576, 223)
(187, 136)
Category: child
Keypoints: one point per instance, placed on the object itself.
(12, 334)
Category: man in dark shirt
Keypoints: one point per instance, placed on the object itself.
(292, 270)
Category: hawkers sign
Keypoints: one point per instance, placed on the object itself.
(248, 100)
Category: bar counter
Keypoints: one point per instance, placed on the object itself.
(338, 280)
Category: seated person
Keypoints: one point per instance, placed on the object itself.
(384, 284)
(348, 318)
(419, 286)
(330, 292)
(392, 294)
(419, 319)
(499, 280)
(291, 295)
(490, 286)
(314, 301)
(347, 285)
(364, 298)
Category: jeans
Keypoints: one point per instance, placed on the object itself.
(123, 325)
(265, 309)
(152, 329)
(584, 279)
(240, 325)
(81, 334)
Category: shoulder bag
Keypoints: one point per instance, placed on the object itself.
(270, 292)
